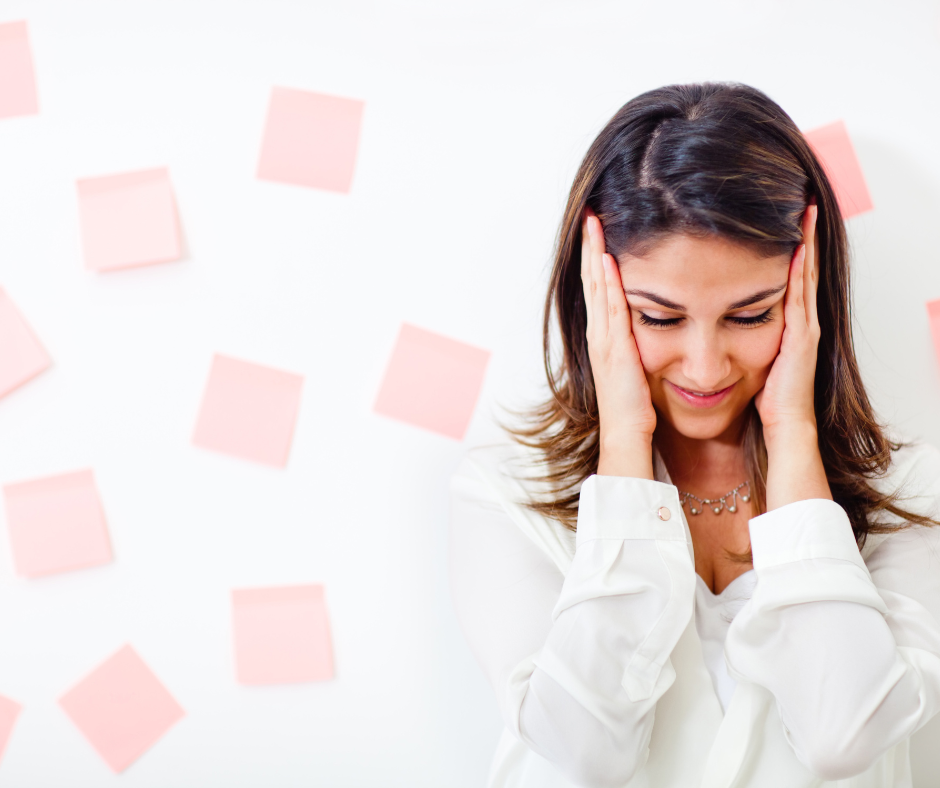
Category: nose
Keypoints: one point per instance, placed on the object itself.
(706, 364)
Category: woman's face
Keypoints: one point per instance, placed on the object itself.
(708, 319)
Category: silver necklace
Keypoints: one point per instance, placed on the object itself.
(717, 504)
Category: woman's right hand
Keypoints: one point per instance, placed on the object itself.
(625, 409)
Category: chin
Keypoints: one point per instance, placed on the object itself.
(703, 426)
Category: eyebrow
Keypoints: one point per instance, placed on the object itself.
(752, 299)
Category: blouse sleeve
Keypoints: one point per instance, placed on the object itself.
(577, 662)
(851, 652)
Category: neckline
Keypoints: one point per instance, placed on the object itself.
(748, 574)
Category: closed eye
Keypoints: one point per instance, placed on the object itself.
(756, 320)
(646, 320)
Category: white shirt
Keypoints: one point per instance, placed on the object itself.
(816, 666)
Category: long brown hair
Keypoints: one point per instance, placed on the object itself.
(707, 159)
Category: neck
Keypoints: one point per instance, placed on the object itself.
(708, 467)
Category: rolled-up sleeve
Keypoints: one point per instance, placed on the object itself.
(853, 664)
(585, 697)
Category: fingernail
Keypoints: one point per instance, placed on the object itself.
(801, 253)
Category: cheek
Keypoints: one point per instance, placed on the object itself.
(756, 350)
(657, 349)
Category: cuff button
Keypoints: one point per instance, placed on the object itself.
(663, 513)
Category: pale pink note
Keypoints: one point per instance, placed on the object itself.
(121, 708)
(310, 139)
(834, 149)
(432, 381)
(21, 355)
(128, 220)
(249, 411)
(56, 524)
(17, 78)
(933, 312)
(282, 635)
(9, 711)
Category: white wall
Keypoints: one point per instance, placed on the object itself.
(476, 116)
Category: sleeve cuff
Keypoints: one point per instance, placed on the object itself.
(803, 530)
(616, 507)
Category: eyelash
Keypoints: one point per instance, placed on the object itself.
(746, 322)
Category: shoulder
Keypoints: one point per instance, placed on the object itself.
(504, 476)
(914, 475)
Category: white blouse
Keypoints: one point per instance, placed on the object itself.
(816, 666)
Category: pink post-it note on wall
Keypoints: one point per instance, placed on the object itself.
(310, 139)
(282, 635)
(834, 149)
(9, 711)
(933, 312)
(17, 78)
(21, 355)
(56, 524)
(121, 708)
(128, 220)
(249, 411)
(432, 382)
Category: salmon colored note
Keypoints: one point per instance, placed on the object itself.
(128, 220)
(933, 312)
(17, 78)
(282, 635)
(21, 355)
(249, 411)
(56, 524)
(121, 708)
(9, 711)
(432, 382)
(834, 149)
(310, 139)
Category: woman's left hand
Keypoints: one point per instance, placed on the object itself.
(795, 470)
(787, 397)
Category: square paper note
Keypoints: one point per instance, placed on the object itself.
(282, 635)
(432, 382)
(249, 411)
(17, 79)
(121, 708)
(310, 139)
(834, 148)
(21, 355)
(9, 711)
(128, 220)
(933, 312)
(56, 524)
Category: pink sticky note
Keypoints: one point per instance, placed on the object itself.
(933, 311)
(310, 139)
(21, 355)
(282, 635)
(432, 381)
(17, 78)
(835, 151)
(9, 711)
(128, 220)
(56, 524)
(121, 708)
(249, 410)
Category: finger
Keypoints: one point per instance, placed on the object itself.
(586, 269)
(618, 311)
(794, 313)
(810, 268)
(598, 290)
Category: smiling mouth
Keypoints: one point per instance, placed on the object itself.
(701, 399)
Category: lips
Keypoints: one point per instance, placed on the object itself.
(700, 399)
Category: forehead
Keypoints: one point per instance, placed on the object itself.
(688, 270)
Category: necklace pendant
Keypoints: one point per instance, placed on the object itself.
(717, 509)
(745, 498)
(732, 509)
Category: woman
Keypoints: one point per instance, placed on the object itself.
(702, 563)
